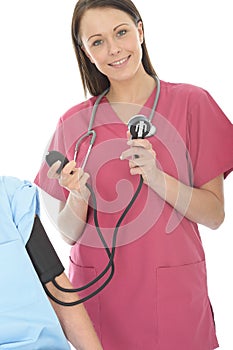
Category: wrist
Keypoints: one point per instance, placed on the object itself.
(80, 196)
(157, 182)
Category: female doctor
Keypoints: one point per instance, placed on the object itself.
(158, 297)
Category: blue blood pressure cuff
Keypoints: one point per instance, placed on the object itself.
(42, 254)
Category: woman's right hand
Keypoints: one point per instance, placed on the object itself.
(72, 178)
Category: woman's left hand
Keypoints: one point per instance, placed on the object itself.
(142, 159)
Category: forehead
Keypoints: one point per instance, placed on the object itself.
(100, 20)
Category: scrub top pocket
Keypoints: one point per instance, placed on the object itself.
(185, 319)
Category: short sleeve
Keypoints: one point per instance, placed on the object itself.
(51, 186)
(19, 205)
(210, 139)
(69, 128)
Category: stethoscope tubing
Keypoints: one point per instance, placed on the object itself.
(91, 132)
(111, 253)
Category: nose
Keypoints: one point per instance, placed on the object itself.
(113, 47)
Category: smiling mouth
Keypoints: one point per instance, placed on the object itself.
(119, 62)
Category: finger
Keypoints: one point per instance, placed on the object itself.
(69, 167)
(136, 162)
(134, 152)
(136, 171)
(140, 143)
(83, 179)
(77, 187)
(70, 176)
(74, 180)
(128, 135)
(52, 172)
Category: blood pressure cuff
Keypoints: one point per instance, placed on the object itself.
(42, 254)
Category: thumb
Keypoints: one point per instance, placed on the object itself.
(128, 135)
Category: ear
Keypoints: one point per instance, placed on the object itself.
(140, 31)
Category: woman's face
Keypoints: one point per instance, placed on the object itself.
(112, 42)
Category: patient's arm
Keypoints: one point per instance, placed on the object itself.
(74, 319)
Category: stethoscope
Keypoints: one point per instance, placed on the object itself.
(140, 127)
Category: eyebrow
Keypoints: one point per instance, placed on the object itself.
(114, 29)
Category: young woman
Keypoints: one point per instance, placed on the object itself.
(157, 297)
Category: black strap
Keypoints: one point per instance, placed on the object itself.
(42, 253)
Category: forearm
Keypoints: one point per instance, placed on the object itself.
(74, 320)
(72, 218)
(204, 205)
(197, 204)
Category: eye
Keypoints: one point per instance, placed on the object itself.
(122, 32)
(97, 42)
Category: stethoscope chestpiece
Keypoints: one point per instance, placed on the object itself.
(140, 127)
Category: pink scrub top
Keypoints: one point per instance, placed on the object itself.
(158, 297)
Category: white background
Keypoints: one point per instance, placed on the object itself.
(188, 41)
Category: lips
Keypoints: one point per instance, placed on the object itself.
(120, 62)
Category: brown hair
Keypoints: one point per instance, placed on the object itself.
(92, 79)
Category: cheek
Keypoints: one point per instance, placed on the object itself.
(135, 45)
(97, 58)
(92, 55)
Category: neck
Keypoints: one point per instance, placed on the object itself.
(127, 98)
(136, 90)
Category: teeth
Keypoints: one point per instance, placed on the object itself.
(119, 62)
